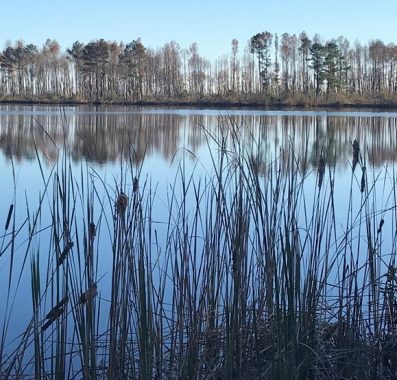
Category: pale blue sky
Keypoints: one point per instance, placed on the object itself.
(212, 24)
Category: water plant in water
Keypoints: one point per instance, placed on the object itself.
(249, 273)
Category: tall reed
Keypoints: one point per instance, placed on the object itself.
(242, 270)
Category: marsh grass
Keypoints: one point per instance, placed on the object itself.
(247, 272)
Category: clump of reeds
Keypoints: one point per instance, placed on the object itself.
(246, 276)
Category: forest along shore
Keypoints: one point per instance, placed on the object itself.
(269, 70)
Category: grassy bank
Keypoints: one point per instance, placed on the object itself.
(248, 274)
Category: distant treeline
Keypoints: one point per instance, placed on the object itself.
(286, 69)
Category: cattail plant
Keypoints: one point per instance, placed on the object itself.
(246, 269)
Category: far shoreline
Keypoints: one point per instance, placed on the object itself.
(211, 104)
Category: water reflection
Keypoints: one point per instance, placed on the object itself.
(103, 137)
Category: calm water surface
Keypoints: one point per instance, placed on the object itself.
(108, 142)
(154, 141)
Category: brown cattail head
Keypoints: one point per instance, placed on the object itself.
(90, 293)
(381, 223)
(57, 310)
(69, 245)
(356, 148)
(391, 273)
(121, 203)
(9, 216)
(356, 153)
(321, 170)
(52, 316)
(363, 179)
(92, 230)
(54, 313)
(135, 185)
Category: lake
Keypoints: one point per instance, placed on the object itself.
(213, 199)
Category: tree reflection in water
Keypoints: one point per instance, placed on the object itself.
(106, 135)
